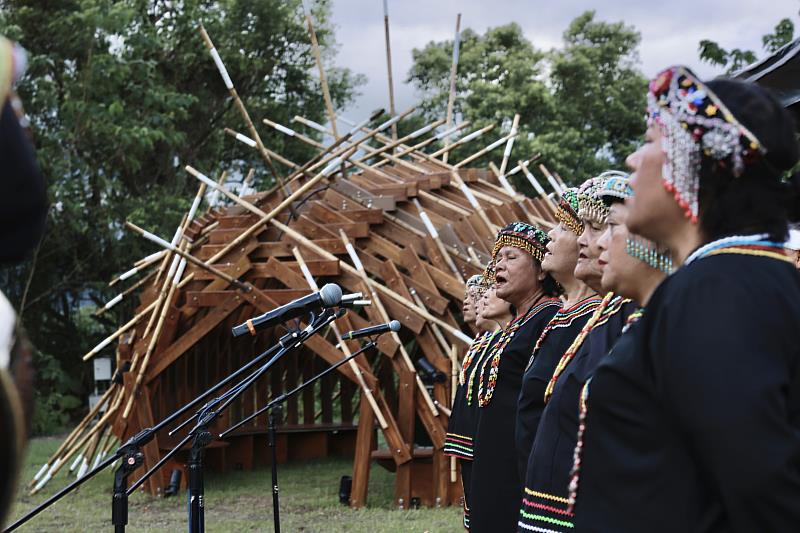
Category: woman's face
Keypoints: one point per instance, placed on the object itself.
(588, 268)
(562, 253)
(652, 210)
(468, 306)
(518, 275)
(492, 307)
(620, 270)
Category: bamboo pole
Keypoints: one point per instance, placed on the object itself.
(345, 349)
(376, 301)
(302, 240)
(239, 104)
(463, 140)
(510, 144)
(73, 435)
(128, 325)
(291, 133)
(389, 64)
(553, 183)
(322, 78)
(538, 187)
(473, 202)
(138, 266)
(452, 94)
(485, 150)
(436, 239)
(78, 446)
(266, 217)
(398, 142)
(154, 338)
(244, 139)
(189, 257)
(416, 149)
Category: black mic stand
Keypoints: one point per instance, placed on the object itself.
(274, 408)
(200, 435)
(131, 449)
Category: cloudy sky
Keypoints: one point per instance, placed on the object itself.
(670, 32)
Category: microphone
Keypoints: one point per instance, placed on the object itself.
(327, 296)
(394, 325)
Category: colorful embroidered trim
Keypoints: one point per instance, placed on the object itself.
(741, 244)
(616, 185)
(695, 125)
(567, 211)
(576, 344)
(459, 446)
(485, 393)
(611, 309)
(539, 513)
(477, 343)
(564, 319)
(466, 515)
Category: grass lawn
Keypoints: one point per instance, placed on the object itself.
(235, 502)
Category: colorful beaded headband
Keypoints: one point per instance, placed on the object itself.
(590, 205)
(523, 236)
(616, 186)
(567, 211)
(695, 124)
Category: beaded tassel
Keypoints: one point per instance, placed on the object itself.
(646, 251)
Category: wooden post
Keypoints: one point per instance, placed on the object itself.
(453, 68)
(363, 456)
(322, 78)
(473, 202)
(389, 65)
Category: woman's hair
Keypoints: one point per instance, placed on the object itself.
(760, 200)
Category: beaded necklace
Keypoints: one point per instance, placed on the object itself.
(574, 475)
(573, 348)
(485, 393)
(480, 355)
(564, 318)
(480, 341)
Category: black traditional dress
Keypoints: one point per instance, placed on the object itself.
(694, 425)
(495, 484)
(554, 341)
(464, 418)
(544, 500)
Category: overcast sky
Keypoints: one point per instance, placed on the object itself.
(670, 32)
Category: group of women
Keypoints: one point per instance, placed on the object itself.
(637, 368)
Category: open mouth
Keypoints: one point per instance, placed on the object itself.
(500, 279)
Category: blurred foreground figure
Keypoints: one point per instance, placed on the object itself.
(23, 207)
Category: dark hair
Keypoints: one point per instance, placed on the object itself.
(758, 201)
(551, 287)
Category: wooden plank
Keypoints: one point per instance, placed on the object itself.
(311, 229)
(431, 298)
(362, 460)
(190, 338)
(362, 196)
(406, 416)
(265, 250)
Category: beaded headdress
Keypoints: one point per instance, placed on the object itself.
(644, 250)
(695, 124)
(474, 281)
(567, 211)
(523, 236)
(590, 205)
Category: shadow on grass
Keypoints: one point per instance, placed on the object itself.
(235, 502)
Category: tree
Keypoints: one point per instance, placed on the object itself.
(736, 59)
(122, 94)
(581, 106)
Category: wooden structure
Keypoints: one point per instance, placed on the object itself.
(393, 222)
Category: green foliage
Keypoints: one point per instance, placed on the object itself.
(580, 106)
(121, 95)
(736, 59)
(57, 394)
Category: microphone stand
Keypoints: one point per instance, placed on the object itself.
(131, 455)
(201, 437)
(275, 410)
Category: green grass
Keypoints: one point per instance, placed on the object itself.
(235, 502)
